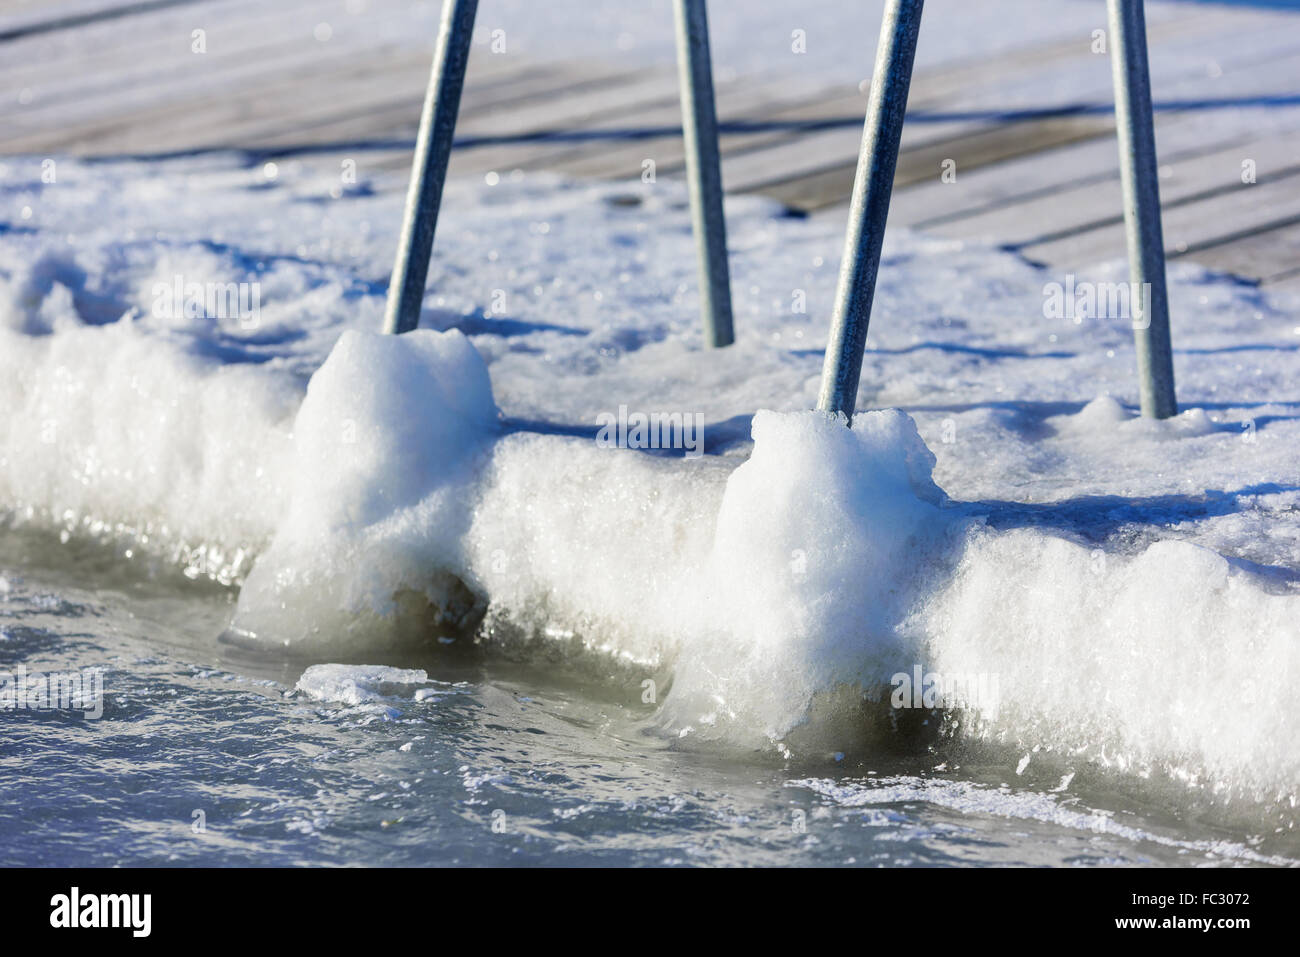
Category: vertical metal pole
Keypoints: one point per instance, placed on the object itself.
(870, 206)
(703, 168)
(429, 168)
(1146, 245)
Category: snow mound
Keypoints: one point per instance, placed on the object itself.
(1105, 417)
(820, 548)
(383, 444)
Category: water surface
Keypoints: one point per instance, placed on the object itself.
(206, 754)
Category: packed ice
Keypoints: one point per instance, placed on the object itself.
(998, 508)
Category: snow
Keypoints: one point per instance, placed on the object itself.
(1132, 582)
(374, 506)
(999, 509)
(820, 541)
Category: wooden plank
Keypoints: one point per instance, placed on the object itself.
(1179, 135)
(182, 124)
(604, 103)
(238, 67)
(396, 120)
(839, 105)
(787, 104)
(780, 157)
(825, 154)
(1266, 255)
(320, 89)
(738, 102)
(241, 55)
(929, 204)
(1078, 209)
(83, 59)
(248, 46)
(18, 14)
(843, 109)
(69, 14)
(578, 141)
(1236, 211)
(159, 48)
(1288, 284)
(370, 102)
(580, 90)
(924, 163)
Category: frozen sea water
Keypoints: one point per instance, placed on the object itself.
(207, 507)
(569, 770)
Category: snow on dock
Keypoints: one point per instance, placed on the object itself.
(1132, 582)
(1009, 140)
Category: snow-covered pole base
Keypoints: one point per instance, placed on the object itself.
(870, 206)
(704, 169)
(1137, 161)
(429, 168)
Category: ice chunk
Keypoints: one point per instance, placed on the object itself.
(384, 445)
(358, 684)
(820, 550)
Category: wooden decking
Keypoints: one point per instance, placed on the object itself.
(100, 78)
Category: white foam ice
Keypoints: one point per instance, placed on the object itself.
(1131, 583)
(828, 563)
(820, 548)
(377, 507)
(1170, 655)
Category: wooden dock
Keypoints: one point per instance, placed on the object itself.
(104, 78)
